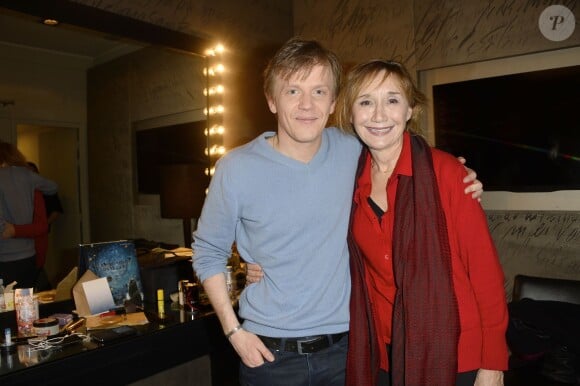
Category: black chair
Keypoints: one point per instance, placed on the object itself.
(542, 311)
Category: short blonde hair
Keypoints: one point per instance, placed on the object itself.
(299, 56)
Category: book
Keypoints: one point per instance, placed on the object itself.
(116, 261)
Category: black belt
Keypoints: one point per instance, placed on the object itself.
(304, 345)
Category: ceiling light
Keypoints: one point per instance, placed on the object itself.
(50, 22)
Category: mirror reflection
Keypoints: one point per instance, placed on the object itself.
(72, 101)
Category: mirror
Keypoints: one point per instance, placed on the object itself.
(73, 97)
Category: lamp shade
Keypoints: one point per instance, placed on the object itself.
(182, 190)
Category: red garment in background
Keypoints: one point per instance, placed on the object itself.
(38, 229)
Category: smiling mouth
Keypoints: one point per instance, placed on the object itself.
(306, 119)
(380, 130)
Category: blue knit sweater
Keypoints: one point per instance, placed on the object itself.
(292, 219)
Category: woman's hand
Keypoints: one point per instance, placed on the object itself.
(489, 378)
(254, 273)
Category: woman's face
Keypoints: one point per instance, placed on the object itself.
(380, 113)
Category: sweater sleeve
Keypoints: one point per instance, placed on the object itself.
(478, 273)
(215, 233)
(39, 224)
(487, 281)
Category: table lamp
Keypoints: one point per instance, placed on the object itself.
(182, 193)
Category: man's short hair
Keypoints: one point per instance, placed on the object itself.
(299, 55)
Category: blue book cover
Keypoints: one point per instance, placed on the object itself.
(117, 261)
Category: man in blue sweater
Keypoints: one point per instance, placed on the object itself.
(285, 199)
(17, 186)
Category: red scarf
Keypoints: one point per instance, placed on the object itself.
(425, 316)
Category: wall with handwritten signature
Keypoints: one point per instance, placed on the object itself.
(543, 243)
(428, 33)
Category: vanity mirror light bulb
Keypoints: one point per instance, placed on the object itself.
(215, 129)
(218, 49)
(214, 110)
(211, 91)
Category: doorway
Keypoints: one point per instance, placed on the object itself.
(55, 150)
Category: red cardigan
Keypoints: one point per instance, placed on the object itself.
(38, 229)
(477, 274)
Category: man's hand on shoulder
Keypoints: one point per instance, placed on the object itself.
(254, 273)
(475, 186)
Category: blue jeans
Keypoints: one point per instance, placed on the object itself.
(322, 368)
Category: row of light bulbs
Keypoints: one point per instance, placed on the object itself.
(214, 112)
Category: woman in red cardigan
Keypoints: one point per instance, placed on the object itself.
(427, 305)
(37, 229)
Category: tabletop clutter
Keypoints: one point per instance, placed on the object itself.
(108, 293)
(94, 311)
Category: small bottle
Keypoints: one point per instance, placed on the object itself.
(2, 302)
(182, 294)
(160, 303)
(9, 296)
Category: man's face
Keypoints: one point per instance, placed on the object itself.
(303, 105)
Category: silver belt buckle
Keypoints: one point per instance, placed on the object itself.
(299, 344)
